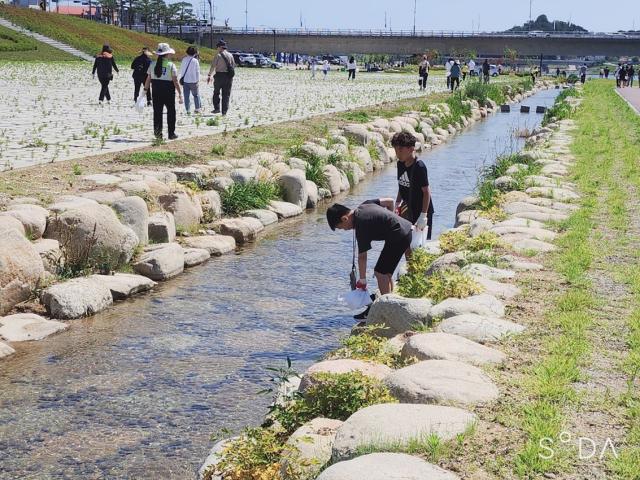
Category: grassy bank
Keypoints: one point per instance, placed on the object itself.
(15, 46)
(88, 36)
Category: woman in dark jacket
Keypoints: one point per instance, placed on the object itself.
(104, 64)
(140, 65)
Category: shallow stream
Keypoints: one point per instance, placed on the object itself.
(135, 392)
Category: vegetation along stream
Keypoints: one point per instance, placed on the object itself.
(136, 392)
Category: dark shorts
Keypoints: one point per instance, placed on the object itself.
(391, 255)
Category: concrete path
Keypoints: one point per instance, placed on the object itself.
(631, 95)
(49, 41)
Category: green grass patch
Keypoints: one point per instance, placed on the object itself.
(15, 46)
(241, 197)
(157, 158)
(357, 116)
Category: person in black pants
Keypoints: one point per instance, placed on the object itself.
(163, 75)
(140, 66)
(104, 64)
(222, 70)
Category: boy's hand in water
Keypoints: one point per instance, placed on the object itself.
(361, 284)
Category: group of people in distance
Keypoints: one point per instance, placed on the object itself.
(161, 81)
(624, 75)
(388, 220)
(454, 70)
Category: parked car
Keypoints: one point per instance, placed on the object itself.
(538, 33)
(261, 60)
(493, 70)
(271, 64)
(244, 59)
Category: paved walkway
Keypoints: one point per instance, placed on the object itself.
(632, 96)
(49, 41)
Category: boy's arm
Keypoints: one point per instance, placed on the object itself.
(362, 267)
(387, 203)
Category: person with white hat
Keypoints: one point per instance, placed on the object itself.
(164, 76)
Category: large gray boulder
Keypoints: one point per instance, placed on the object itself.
(312, 194)
(32, 217)
(492, 273)
(6, 350)
(162, 227)
(28, 326)
(50, 253)
(398, 424)
(284, 209)
(497, 289)
(241, 230)
(386, 466)
(7, 222)
(479, 328)
(124, 285)
(343, 365)
(20, 269)
(77, 298)
(134, 213)
(266, 217)
(187, 212)
(363, 158)
(243, 175)
(216, 245)
(313, 442)
(195, 256)
(211, 205)
(92, 234)
(357, 133)
(395, 314)
(334, 180)
(294, 187)
(445, 382)
(444, 346)
(162, 263)
(104, 196)
(482, 304)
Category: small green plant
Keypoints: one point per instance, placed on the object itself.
(158, 141)
(357, 116)
(315, 173)
(438, 286)
(213, 122)
(453, 241)
(219, 149)
(335, 396)
(240, 197)
(369, 346)
(77, 169)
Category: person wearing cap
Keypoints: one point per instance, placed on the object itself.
(373, 221)
(140, 66)
(104, 64)
(222, 70)
(163, 75)
(413, 201)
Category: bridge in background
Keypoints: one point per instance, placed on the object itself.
(344, 42)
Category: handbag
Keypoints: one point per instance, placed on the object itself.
(185, 71)
(352, 276)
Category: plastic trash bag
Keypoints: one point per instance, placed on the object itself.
(357, 298)
(141, 103)
(418, 238)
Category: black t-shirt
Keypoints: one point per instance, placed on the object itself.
(416, 174)
(375, 223)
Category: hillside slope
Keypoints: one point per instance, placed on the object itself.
(89, 36)
(15, 46)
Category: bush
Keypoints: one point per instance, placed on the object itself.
(357, 117)
(453, 240)
(336, 396)
(239, 197)
(439, 286)
(561, 108)
(457, 240)
(482, 92)
(369, 347)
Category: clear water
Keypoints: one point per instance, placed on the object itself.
(135, 392)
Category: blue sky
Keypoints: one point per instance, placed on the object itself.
(431, 14)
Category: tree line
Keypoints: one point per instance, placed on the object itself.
(155, 13)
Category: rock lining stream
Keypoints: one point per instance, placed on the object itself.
(136, 391)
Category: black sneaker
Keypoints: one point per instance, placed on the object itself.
(173, 136)
(217, 110)
(362, 315)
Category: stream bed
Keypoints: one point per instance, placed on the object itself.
(135, 392)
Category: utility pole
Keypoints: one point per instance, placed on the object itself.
(246, 15)
(530, 5)
(211, 22)
(415, 6)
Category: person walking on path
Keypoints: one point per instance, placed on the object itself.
(447, 67)
(104, 65)
(351, 68)
(423, 72)
(465, 71)
(455, 75)
(314, 67)
(325, 69)
(413, 201)
(163, 75)
(190, 79)
(631, 74)
(606, 72)
(616, 74)
(223, 69)
(373, 222)
(583, 73)
(472, 67)
(140, 66)
(486, 70)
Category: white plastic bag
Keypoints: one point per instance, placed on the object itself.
(140, 103)
(357, 298)
(418, 238)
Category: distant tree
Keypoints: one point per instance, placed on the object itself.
(146, 8)
(168, 14)
(184, 14)
(109, 9)
(544, 24)
(512, 55)
(432, 55)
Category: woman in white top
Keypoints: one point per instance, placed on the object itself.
(189, 78)
(351, 67)
(325, 69)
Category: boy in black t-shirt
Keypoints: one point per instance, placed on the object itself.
(413, 202)
(373, 222)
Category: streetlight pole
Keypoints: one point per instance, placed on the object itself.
(415, 6)
(530, 5)
(246, 15)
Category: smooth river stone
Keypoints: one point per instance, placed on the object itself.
(313, 442)
(492, 273)
(5, 350)
(444, 346)
(284, 209)
(195, 256)
(561, 194)
(124, 285)
(482, 304)
(76, 298)
(530, 232)
(346, 365)
(215, 244)
(395, 314)
(526, 245)
(497, 289)
(446, 382)
(386, 466)
(266, 217)
(479, 328)
(398, 424)
(28, 326)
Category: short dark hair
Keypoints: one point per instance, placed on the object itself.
(403, 139)
(191, 50)
(335, 213)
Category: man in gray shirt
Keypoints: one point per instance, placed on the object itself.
(222, 70)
